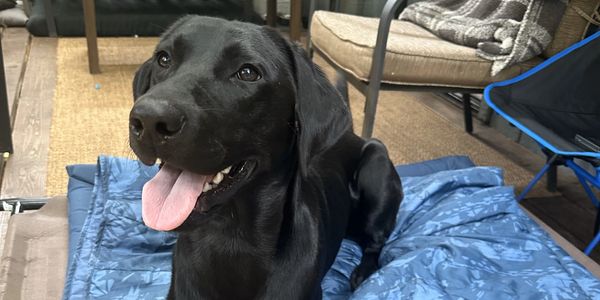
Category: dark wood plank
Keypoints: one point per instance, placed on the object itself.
(26, 170)
(14, 48)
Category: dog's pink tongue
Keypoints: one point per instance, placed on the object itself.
(169, 198)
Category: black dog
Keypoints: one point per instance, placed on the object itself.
(261, 173)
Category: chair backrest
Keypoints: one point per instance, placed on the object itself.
(556, 103)
(573, 25)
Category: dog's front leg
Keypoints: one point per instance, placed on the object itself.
(380, 192)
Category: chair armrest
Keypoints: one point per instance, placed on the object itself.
(376, 72)
(387, 15)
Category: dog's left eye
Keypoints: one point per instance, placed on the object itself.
(164, 59)
(248, 73)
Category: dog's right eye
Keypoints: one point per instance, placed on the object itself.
(164, 59)
(248, 73)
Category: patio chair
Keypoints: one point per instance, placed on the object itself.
(558, 105)
(374, 53)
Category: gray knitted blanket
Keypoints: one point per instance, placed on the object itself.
(504, 31)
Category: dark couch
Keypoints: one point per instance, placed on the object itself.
(133, 17)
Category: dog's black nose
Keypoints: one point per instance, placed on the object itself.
(156, 119)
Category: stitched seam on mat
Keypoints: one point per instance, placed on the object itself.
(134, 270)
(93, 256)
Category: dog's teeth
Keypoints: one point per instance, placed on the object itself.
(226, 170)
(207, 187)
(218, 178)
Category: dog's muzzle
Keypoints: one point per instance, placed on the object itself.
(155, 121)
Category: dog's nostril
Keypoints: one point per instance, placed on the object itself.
(168, 129)
(136, 126)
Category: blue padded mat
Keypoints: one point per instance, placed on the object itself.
(459, 234)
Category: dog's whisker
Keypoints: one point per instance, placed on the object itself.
(127, 152)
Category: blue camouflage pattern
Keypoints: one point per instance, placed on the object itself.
(460, 234)
(117, 256)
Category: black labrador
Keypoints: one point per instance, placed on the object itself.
(261, 176)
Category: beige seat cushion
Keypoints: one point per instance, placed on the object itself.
(414, 55)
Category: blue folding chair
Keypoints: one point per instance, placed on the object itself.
(558, 105)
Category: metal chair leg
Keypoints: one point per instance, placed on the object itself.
(592, 245)
(341, 83)
(537, 177)
(5, 131)
(597, 222)
(587, 189)
(370, 109)
(383, 31)
(552, 178)
(311, 10)
(584, 178)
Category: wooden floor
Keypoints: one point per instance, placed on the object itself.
(31, 78)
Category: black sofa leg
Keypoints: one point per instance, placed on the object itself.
(467, 112)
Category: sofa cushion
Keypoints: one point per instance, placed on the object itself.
(6, 4)
(132, 17)
(13, 17)
(414, 56)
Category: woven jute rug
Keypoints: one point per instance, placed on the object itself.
(90, 115)
(90, 112)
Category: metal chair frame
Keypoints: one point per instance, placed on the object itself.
(371, 88)
(588, 182)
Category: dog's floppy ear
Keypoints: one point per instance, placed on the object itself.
(322, 116)
(142, 79)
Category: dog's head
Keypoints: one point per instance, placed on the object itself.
(220, 103)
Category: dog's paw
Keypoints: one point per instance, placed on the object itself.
(362, 272)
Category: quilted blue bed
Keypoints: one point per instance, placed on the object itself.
(459, 235)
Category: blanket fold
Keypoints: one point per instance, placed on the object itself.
(506, 32)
